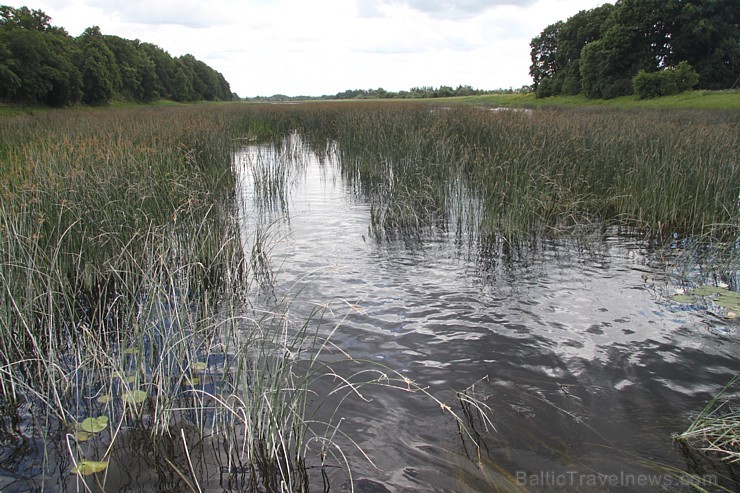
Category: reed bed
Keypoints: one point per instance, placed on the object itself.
(128, 283)
(544, 171)
(124, 276)
(129, 309)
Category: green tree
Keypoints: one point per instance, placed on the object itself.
(42, 63)
(544, 67)
(577, 32)
(98, 66)
(707, 36)
(37, 59)
(138, 72)
(182, 84)
(635, 36)
(598, 52)
(24, 18)
(164, 68)
(607, 65)
(225, 93)
(9, 81)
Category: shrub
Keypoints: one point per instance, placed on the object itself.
(672, 80)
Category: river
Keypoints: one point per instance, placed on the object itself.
(587, 364)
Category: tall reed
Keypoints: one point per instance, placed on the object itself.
(123, 272)
(541, 171)
(127, 283)
(127, 304)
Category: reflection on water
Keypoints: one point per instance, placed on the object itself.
(588, 366)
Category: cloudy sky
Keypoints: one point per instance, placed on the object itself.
(315, 47)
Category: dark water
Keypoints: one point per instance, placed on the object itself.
(587, 364)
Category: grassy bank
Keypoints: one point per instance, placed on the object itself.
(694, 100)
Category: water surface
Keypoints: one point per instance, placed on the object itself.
(574, 342)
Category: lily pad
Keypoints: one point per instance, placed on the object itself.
(682, 298)
(134, 397)
(199, 366)
(83, 436)
(104, 399)
(94, 425)
(87, 467)
(192, 381)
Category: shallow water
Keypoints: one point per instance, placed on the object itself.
(587, 364)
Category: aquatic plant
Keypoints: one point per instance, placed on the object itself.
(128, 286)
(128, 297)
(716, 429)
(544, 171)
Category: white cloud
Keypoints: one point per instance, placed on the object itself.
(448, 9)
(319, 47)
(188, 13)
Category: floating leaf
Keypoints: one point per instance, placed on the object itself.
(130, 350)
(104, 399)
(94, 425)
(192, 381)
(134, 397)
(87, 467)
(200, 366)
(83, 436)
(130, 378)
(682, 298)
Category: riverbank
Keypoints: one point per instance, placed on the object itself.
(695, 100)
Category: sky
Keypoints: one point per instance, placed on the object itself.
(317, 47)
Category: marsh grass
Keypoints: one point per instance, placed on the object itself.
(127, 278)
(123, 274)
(550, 171)
(716, 429)
(128, 294)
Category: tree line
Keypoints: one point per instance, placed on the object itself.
(43, 64)
(669, 44)
(422, 92)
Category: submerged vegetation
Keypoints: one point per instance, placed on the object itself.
(131, 299)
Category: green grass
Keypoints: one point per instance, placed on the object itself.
(696, 100)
